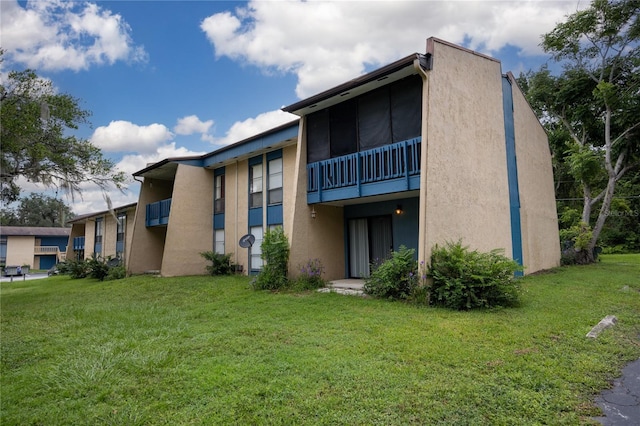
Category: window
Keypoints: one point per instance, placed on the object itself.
(218, 241)
(256, 249)
(255, 185)
(275, 181)
(218, 204)
(98, 233)
(121, 226)
(3, 249)
(97, 242)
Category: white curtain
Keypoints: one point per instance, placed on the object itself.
(358, 248)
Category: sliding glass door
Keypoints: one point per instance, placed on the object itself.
(370, 240)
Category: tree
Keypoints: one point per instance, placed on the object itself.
(595, 102)
(37, 210)
(35, 127)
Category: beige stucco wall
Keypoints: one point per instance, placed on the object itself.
(147, 244)
(77, 230)
(467, 190)
(90, 237)
(539, 220)
(190, 228)
(20, 250)
(109, 229)
(322, 237)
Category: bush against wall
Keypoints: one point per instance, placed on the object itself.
(220, 263)
(310, 277)
(463, 279)
(395, 278)
(275, 254)
(95, 267)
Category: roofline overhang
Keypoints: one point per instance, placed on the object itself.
(202, 158)
(90, 215)
(408, 61)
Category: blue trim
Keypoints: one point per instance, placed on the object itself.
(219, 171)
(218, 221)
(255, 160)
(258, 144)
(274, 214)
(157, 214)
(78, 243)
(255, 217)
(382, 170)
(512, 171)
(274, 154)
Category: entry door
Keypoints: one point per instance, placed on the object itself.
(370, 239)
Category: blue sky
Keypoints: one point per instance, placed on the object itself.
(173, 78)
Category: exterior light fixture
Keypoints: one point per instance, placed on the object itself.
(313, 212)
(399, 209)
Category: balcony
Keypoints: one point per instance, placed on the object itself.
(384, 170)
(158, 213)
(78, 243)
(50, 250)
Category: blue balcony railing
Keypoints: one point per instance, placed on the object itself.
(158, 213)
(383, 170)
(78, 243)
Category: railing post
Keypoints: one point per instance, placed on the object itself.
(320, 182)
(406, 164)
(358, 180)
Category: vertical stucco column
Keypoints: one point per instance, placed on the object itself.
(190, 227)
(147, 244)
(321, 237)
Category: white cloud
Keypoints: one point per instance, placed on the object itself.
(327, 43)
(192, 124)
(124, 136)
(241, 130)
(57, 35)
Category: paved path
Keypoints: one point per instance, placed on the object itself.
(36, 276)
(621, 404)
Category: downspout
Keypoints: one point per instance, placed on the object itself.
(236, 224)
(424, 252)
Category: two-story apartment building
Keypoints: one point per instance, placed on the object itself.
(435, 147)
(37, 247)
(105, 234)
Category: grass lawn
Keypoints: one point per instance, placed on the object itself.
(204, 350)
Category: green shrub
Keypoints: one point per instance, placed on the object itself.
(310, 277)
(98, 267)
(575, 241)
(394, 278)
(275, 253)
(116, 273)
(76, 269)
(220, 263)
(464, 279)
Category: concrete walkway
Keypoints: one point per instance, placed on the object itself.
(621, 404)
(350, 287)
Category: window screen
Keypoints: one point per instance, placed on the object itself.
(255, 185)
(406, 109)
(374, 119)
(275, 181)
(318, 136)
(343, 133)
(218, 204)
(218, 241)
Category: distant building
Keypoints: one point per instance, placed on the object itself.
(37, 247)
(438, 146)
(103, 234)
